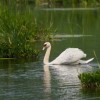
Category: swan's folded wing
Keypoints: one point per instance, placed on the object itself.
(68, 56)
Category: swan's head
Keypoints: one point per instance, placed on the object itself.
(46, 45)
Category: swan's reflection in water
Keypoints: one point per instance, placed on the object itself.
(68, 75)
(65, 78)
(47, 81)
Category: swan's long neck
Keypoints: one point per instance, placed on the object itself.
(47, 54)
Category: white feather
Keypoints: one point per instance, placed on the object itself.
(70, 55)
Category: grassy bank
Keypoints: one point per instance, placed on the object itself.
(91, 79)
(18, 31)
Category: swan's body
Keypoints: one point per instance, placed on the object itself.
(69, 56)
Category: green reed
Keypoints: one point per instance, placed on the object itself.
(96, 58)
(18, 31)
(90, 79)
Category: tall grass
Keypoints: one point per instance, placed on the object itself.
(91, 79)
(17, 31)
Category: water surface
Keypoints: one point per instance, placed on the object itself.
(35, 81)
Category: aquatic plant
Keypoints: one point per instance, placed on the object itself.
(90, 79)
(18, 31)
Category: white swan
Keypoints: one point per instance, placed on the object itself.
(69, 56)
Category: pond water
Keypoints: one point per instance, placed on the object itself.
(31, 80)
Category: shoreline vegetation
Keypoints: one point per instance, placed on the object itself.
(67, 3)
(22, 4)
(18, 32)
(90, 79)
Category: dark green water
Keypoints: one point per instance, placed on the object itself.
(31, 80)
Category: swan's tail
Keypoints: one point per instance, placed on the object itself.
(85, 62)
